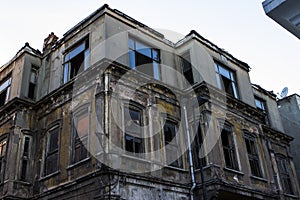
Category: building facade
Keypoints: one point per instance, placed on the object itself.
(114, 110)
(289, 109)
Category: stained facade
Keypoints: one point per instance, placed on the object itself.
(114, 110)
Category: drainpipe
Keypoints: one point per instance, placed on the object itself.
(190, 154)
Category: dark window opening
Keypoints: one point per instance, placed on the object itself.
(284, 172)
(25, 158)
(4, 91)
(226, 80)
(32, 83)
(76, 61)
(253, 155)
(52, 152)
(80, 135)
(172, 145)
(187, 67)
(134, 142)
(3, 146)
(199, 156)
(262, 106)
(144, 58)
(229, 148)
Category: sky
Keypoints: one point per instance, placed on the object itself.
(240, 27)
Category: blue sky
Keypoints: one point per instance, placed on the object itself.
(239, 27)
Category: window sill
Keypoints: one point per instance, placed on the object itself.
(291, 196)
(175, 168)
(49, 176)
(136, 158)
(233, 171)
(71, 166)
(258, 178)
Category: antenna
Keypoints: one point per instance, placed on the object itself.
(284, 92)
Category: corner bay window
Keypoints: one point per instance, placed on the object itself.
(253, 157)
(76, 60)
(173, 153)
(80, 135)
(52, 151)
(144, 58)
(229, 147)
(134, 140)
(4, 90)
(226, 80)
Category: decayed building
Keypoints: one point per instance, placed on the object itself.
(114, 110)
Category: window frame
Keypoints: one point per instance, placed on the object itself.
(231, 148)
(48, 154)
(285, 174)
(254, 156)
(175, 144)
(134, 52)
(25, 158)
(5, 85)
(232, 78)
(81, 47)
(135, 138)
(187, 68)
(76, 142)
(3, 158)
(32, 83)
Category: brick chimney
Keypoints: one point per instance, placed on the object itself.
(49, 41)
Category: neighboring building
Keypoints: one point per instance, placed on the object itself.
(71, 117)
(286, 13)
(289, 109)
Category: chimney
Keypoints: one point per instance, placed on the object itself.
(49, 41)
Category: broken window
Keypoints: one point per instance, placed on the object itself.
(32, 83)
(3, 148)
(4, 90)
(229, 147)
(226, 80)
(187, 67)
(173, 153)
(134, 141)
(25, 158)
(76, 60)
(80, 134)
(52, 151)
(144, 58)
(284, 169)
(253, 157)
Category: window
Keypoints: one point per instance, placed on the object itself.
(52, 151)
(4, 91)
(229, 147)
(25, 159)
(172, 144)
(134, 141)
(76, 60)
(199, 161)
(226, 80)
(284, 169)
(32, 83)
(253, 157)
(187, 67)
(80, 135)
(261, 105)
(144, 58)
(3, 147)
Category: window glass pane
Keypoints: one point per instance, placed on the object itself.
(75, 52)
(132, 59)
(86, 59)
(132, 120)
(53, 140)
(82, 125)
(131, 44)
(143, 49)
(5, 84)
(66, 72)
(235, 92)
(156, 70)
(224, 72)
(155, 54)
